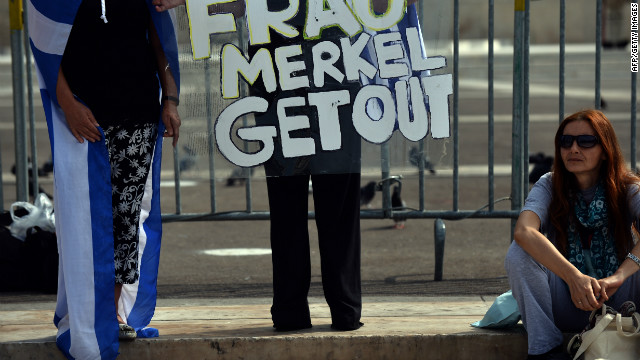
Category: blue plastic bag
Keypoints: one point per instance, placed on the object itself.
(503, 313)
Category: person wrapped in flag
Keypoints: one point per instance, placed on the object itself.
(108, 72)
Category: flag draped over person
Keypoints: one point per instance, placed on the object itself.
(85, 313)
(410, 20)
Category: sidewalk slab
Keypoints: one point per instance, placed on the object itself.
(395, 328)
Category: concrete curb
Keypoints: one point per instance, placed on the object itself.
(395, 328)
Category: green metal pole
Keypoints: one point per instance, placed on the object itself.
(16, 24)
(518, 107)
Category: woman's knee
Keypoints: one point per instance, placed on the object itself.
(515, 257)
(519, 261)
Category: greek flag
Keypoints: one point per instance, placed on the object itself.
(410, 20)
(85, 313)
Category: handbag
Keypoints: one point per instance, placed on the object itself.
(609, 335)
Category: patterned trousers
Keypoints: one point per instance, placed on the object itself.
(130, 148)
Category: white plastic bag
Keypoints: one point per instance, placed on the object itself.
(39, 214)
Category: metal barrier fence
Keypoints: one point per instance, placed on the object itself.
(23, 101)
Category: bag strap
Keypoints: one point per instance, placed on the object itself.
(636, 322)
(588, 337)
(27, 206)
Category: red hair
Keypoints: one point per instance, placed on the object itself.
(614, 174)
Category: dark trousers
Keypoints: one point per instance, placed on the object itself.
(337, 207)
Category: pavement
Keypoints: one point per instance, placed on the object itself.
(217, 307)
(395, 328)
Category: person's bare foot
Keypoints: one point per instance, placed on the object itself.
(116, 295)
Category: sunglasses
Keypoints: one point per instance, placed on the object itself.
(584, 141)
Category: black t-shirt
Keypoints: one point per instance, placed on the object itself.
(111, 66)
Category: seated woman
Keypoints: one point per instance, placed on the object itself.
(574, 248)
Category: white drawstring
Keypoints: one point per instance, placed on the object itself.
(104, 12)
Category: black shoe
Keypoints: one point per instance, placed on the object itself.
(292, 327)
(557, 353)
(351, 327)
(126, 332)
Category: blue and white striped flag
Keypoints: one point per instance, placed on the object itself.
(85, 313)
(410, 20)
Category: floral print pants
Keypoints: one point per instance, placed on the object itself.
(130, 148)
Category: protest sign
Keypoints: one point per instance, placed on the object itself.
(388, 60)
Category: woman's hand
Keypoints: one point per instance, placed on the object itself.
(171, 121)
(80, 119)
(82, 123)
(586, 292)
(164, 5)
(611, 284)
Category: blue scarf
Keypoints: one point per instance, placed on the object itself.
(591, 224)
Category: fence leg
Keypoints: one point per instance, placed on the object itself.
(439, 233)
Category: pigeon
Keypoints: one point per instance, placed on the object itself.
(188, 159)
(414, 159)
(398, 204)
(541, 165)
(41, 173)
(367, 193)
(238, 175)
(46, 168)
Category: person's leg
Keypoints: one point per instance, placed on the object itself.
(117, 292)
(566, 316)
(337, 205)
(130, 149)
(288, 206)
(531, 288)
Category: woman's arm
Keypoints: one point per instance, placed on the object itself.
(80, 119)
(170, 116)
(628, 267)
(236, 8)
(585, 290)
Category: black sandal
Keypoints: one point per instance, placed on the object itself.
(126, 332)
